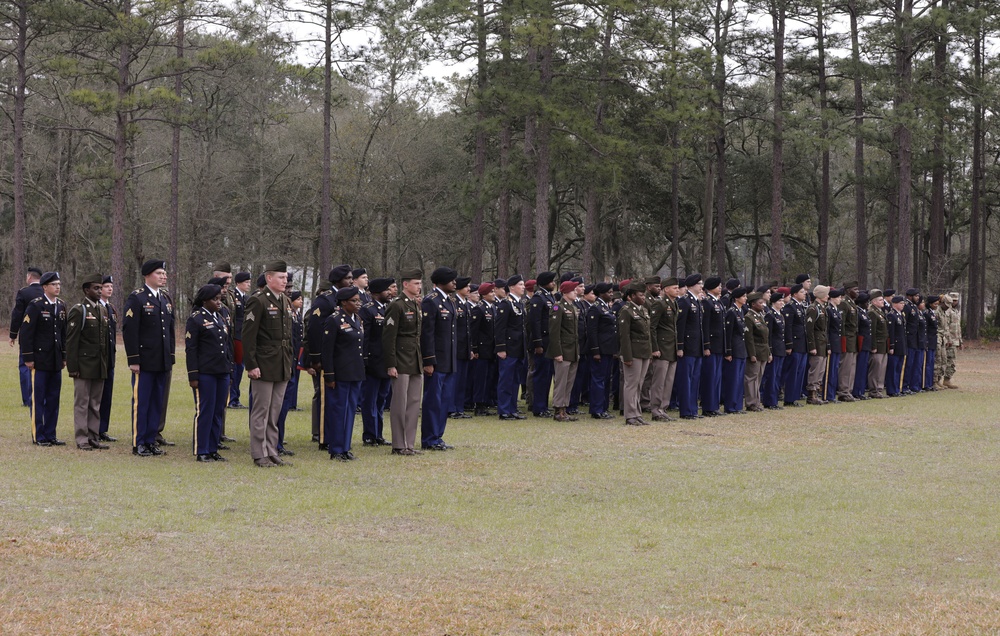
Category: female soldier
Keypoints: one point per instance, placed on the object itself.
(209, 352)
(734, 361)
(757, 339)
(636, 348)
(343, 371)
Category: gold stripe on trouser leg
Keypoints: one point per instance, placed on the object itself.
(322, 408)
(194, 429)
(902, 374)
(135, 409)
(34, 409)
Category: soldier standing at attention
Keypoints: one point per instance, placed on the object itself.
(714, 328)
(208, 351)
(323, 305)
(734, 364)
(463, 349)
(897, 346)
(87, 362)
(148, 326)
(42, 337)
(864, 347)
(107, 291)
(797, 362)
(880, 345)
(564, 349)
(954, 340)
(930, 312)
(484, 363)
(636, 349)
(771, 383)
(834, 331)
(25, 295)
(913, 371)
(240, 296)
(602, 341)
(691, 347)
(376, 386)
(361, 281)
(295, 305)
(757, 340)
(267, 349)
(438, 343)
(509, 334)
(401, 351)
(849, 349)
(538, 332)
(663, 329)
(817, 343)
(343, 371)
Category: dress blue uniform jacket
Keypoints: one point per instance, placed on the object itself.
(42, 335)
(864, 330)
(714, 325)
(581, 324)
(112, 335)
(775, 332)
(834, 327)
(438, 332)
(736, 345)
(343, 348)
(463, 315)
(238, 310)
(538, 319)
(481, 337)
(911, 322)
(690, 333)
(148, 330)
(921, 330)
(373, 323)
(795, 326)
(322, 306)
(508, 328)
(208, 345)
(932, 329)
(897, 332)
(24, 296)
(602, 330)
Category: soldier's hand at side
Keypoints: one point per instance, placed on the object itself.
(539, 351)
(74, 374)
(392, 372)
(30, 365)
(729, 358)
(311, 371)
(193, 384)
(812, 352)
(502, 355)
(788, 352)
(558, 358)
(12, 342)
(656, 354)
(428, 371)
(597, 358)
(680, 354)
(134, 368)
(753, 359)
(331, 385)
(770, 358)
(475, 356)
(627, 363)
(254, 374)
(708, 352)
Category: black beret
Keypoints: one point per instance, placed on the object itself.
(462, 282)
(152, 265)
(889, 292)
(359, 272)
(545, 278)
(49, 277)
(577, 279)
(652, 280)
(242, 276)
(763, 288)
(692, 279)
(223, 267)
(796, 288)
(379, 285)
(276, 266)
(801, 278)
(411, 274)
(107, 279)
(217, 280)
(913, 291)
(339, 273)
(474, 287)
(35, 270)
(93, 279)
(772, 283)
(567, 276)
(836, 293)
(776, 297)
(295, 295)
(513, 280)
(603, 288)
(849, 284)
(443, 275)
(932, 299)
(712, 283)
(863, 298)
(738, 292)
(897, 299)
(732, 284)
(500, 282)
(261, 281)
(346, 293)
(207, 292)
(589, 289)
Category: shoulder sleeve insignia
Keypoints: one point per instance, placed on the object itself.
(129, 314)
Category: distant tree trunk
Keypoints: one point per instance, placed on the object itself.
(823, 243)
(708, 209)
(20, 53)
(721, 49)
(936, 270)
(326, 211)
(675, 147)
(593, 198)
(527, 203)
(860, 206)
(778, 142)
(590, 232)
(479, 216)
(506, 135)
(173, 263)
(121, 143)
(543, 141)
(904, 74)
(975, 298)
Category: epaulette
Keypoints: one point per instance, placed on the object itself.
(39, 299)
(325, 292)
(139, 290)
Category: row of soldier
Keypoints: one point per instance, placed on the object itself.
(646, 345)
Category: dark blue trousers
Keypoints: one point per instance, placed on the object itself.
(24, 373)
(795, 376)
(235, 379)
(689, 370)
(459, 379)
(913, 375)
(832, 377)
(434, 412)
(542, 379)
(581, 383)
(511, 372)
(615, 382)
(341, 407)
(675, 392)
(929, 357)
(600, 378)
(45, 388)
(106, 397)
(893, 369)
(147, 405)
(210, 400)
(861, 374)
(484, 381)
(292, 397)
(374, 400)
(291, 390)
(711, 382)
(732, 384)
(772, 381)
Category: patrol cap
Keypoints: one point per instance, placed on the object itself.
(897, 299)
(295, 295)
(692, 279)
(261, 281)
(152, 265)
(107, 279)
(359, 272)
(411, 274)
(796, 288)
(932, 299)
(93, 279)
(35, 271)
(346, 293)
(732, 284)
(913, 291)
(545, 278)
(207, 292)
(379, 285)
(836, 293)
(801, 278)
(276, 266)
(850, 284)
(530, 284)
(820, 291)
(670, 282)
(443, 275)
(602, 288)
(223, 267)
(652, 280)
(339, 273)
(242, 277)
(513, 280)
(217, 280)
(568, 286)
(486, 289)
(588, 289)
(753, 297)
(875, 293)
(462, 282)
(945, 299)
(712, 283)
(49, 277)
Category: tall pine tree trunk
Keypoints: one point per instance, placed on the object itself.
(120, 154)
(824, 194)
(937, 276)
(325, 210)
(479, 216)
(778, 142)
(175, 160)
(20, 89)
(860, 209)
(975, 297)
(904, 70)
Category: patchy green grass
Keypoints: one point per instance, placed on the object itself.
(873, 518)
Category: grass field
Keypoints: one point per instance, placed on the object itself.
(879, 517)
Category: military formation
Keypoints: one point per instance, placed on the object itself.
(554, 344)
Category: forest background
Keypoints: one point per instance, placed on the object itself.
(616, 138)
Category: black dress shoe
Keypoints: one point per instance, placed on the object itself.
(43, 444)
(324, 447)
(223, 446)
(689, 417)
(226, 438)
(86, 447)
(545, 413)
(511, 416)
(315, 438)
(434, 447)
(349, 454)
(217, 457)
(381, 441)
(446, 446)
(793, 404)
(572, 411)
(104, 437)
(156, 450)
(205, 458)
(341, 457)
(142, 451)
(710, 413)
(295, 409)
(369, 442)
(403, 451)
(236, 405)
(57, 442)
(98, 445)
(284, 452)
(163, 442)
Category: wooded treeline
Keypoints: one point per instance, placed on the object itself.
(851, 139)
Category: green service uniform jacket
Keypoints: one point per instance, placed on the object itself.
(267, 336)
(563, 332)
(633, 333)
(816, 326)
(401, 336)
(663, 327)
(756, 336)
(87, 341)
(880, 330)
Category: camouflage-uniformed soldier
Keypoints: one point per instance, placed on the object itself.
(954, 340)
(87, 362)
(267, 351)
(947, 335)
(403, 362)
(816, 343)
(635, 347)
(42, 338)
(564, 348)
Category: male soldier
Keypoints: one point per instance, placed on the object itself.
(538, 336)
(636, 349)
(602, 340)
(864, 347)
(834, 332)
(663, 328)
(953, 339)
(691, 347)
(581, 384)
(484, 363)
(87, 362)
(401, 353)
(714, 328)
(564, 348)
(879, 345)
(849, 336)
(107, 291)
(931, 341)
(511, 349)
(24, 296)
(463, 349)
(148, 332)
(775, 322)
(267, 349)
(757, 342)
(734, 364)
(797, 361)
(324, 303)
(897, 346)
(225, 272)
(360, 276)
(913, 373)
(816, 343)
(42, 338)
(376, 386)
(239, 300)
(438, 341)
